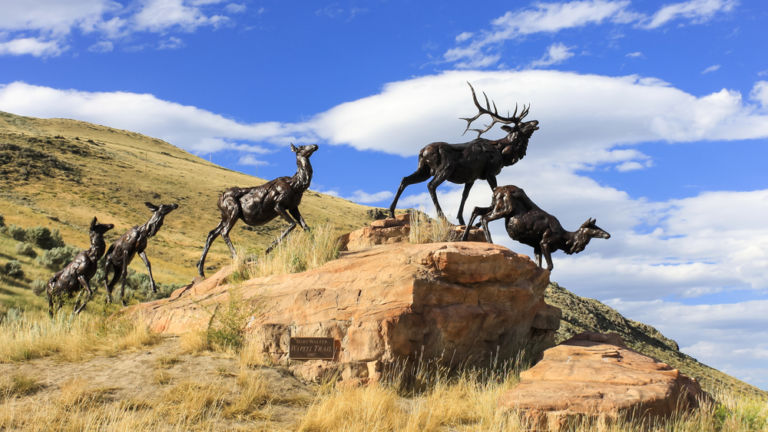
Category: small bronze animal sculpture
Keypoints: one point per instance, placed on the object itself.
(77, 274)
(134, 241)
(530, 225)
(260, 204)
(479, 159)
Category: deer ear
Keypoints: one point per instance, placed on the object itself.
(150, 206)
(293, 148)
(93, 222)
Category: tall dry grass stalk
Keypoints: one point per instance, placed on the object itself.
(26, 335)
(427, 230)
(298, 252)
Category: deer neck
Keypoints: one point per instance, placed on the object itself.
(153, 225)
(575, 241)
(98, 246)
(303, 177)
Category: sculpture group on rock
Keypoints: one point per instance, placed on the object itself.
(465, 163)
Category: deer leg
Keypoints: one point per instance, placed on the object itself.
(211, 237)
(143, 256)
(420, 175)
(89, 294)
(547, 255)
(477, 211)
(122, 281)
(281, 211)
(115, 278)
(464, 195)
(297, 216)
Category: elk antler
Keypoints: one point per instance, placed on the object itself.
(494, 114)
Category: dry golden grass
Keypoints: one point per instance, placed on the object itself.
(29, 335)
(427, 230)
(18, 385)
(298, 252)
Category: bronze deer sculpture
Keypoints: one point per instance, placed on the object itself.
(530, 225)
(260, 204)
(134, 241)
(76, 275)
(479, 159)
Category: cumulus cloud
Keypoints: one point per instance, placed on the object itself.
(159, 15)
(556, 53)
(759, 93)
(249, 159)
(480, 49)
(31, 46)
(368, 198)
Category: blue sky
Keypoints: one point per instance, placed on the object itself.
(653, 116)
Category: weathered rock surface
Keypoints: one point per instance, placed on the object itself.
(394, 230)
(596, 375)
(458, 302)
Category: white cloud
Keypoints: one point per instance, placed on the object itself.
(710, 69)
(759, 93)
(102, 47)
(635, 54)
(53, 17)
(251, 160)
(556, 53)
(159, 15)
(697, 11)
(480, 49)
(363, 197)
(235, 7)
(31, 46)
(171, 43)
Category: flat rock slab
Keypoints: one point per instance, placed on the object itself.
(596, 375)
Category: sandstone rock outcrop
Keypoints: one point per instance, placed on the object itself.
(596, 375)
(456, 302)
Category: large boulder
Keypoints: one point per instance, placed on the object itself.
(595, 375)
(450, 302)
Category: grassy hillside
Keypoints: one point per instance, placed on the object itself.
(60, 173)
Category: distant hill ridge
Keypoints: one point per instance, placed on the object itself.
(60, 173)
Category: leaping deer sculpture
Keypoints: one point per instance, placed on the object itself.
(132, 242)
(76, 276)
(479, 159)
(260, 204)
(530, 225)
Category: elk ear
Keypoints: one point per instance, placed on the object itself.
(150, 206)
(293, 148)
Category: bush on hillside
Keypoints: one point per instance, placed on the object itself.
(38, 286)
(17, 232)
(2, 221)
(12, 269)
(56, 258)
(26, 249)
(44, 237)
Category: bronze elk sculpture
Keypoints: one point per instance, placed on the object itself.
(76, 276)
(260, 204)
(479, 159)
(527, 223)
(134, 241)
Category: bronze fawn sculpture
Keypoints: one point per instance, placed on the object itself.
(479, 159)
(76, 276)
(530, 225)
(132, 242)
(260, 204)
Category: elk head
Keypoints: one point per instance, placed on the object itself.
(520, 130)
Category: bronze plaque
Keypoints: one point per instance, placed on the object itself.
(312, 348)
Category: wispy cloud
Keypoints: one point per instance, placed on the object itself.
(31, 46)
(556, 53)
(635, 54)
(710, 69)
(251, 160)
(481, 49)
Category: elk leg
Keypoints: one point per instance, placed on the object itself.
(436, 181)
(89, 293)
(297, 216)
(281, 211)
(208, 241)
(122, 281)
(420, 175)
(547, 255)
(143, 256)
(477, 211)
(464, 195)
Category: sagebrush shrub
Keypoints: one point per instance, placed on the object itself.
(44, 237)
(58, 257)
(26, 249)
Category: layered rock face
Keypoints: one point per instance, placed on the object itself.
(596, 375)
(454, 302)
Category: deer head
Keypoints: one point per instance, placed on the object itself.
(586, 232)
(304, 151)
(100, 229)
(158, 215)
(520, 128)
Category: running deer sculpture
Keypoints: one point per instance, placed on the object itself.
(134, 241)
(479, 159)
(530, 225)
(76, 276)
(260, 204)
